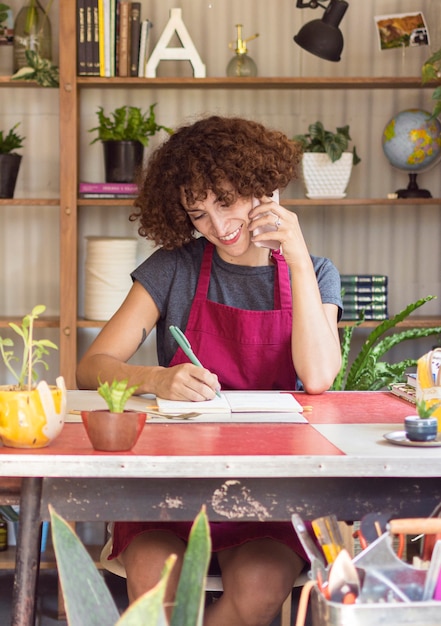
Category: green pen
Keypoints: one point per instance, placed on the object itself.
(183, 342)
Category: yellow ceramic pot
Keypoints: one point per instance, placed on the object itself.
(32, 419)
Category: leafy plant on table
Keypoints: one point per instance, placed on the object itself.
(127, 123)
(367, 372)
(10, 142)
(318, 139)
(4, 8)
(116, 394)
(78, 575)
(34, 350)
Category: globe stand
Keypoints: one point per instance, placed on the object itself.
(413, 191)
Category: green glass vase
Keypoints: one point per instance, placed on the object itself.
(32, 31)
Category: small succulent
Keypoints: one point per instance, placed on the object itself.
(424, 410)
(116, 394)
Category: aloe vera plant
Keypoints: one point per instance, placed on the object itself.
(116, 394)
(367, 372)
(79, 575)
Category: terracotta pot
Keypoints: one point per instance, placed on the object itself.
(32, 419)
(113, 432)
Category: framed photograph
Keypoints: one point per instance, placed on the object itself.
(402, 30)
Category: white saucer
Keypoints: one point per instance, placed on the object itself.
(337, 196)
(399, 438)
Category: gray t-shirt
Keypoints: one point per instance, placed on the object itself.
(171, 277)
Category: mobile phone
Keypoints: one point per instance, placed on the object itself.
(267, 243)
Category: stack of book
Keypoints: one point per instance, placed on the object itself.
(112, 40)
(107, 190)
(364, 295)
(406, 390)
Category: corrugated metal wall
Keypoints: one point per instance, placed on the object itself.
(403, 242)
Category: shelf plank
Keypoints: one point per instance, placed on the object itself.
(47, 562)
(260, 82)
(29, 202)
(42, 322)
(294, 202)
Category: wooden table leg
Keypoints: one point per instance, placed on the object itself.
(28, 553)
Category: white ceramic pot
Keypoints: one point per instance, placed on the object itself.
(323, 178)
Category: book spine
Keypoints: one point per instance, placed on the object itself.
(370, 290)
(363, 279)
(89, 38)
(123, 39)
(81, 38)
(101, 30)
(95, 39)
(143, 47)
(356, 299)
(109, 196)
(112, 38)
(135, 31)
(128, 188)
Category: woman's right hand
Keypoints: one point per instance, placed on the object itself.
(185, 382)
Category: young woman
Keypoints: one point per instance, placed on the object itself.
(257, 318)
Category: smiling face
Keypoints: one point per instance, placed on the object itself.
(226, 226)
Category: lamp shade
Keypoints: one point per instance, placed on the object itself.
(322, 37)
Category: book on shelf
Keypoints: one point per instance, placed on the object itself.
(89, 37)
(130, 189)
(143, 55)
(352, 299)
(364, 289)
(108, 196)
(363, 280)
(95, 39)
(135, 33)
(374, 313)
(123, 38)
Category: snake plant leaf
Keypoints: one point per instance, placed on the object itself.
(190, 595)
(86, 596)
(367, 372)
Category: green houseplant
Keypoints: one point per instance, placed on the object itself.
(326, 162)
(78, 575)
(431, 71)
(124, 135)
(31, 413)
(9, 160)
(116, 429)
(367, 372)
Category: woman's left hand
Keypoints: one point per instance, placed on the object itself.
(287, 229)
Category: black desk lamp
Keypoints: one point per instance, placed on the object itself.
(323, 37)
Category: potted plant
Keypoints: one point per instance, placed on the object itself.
(31, 414)
(9, 161)
(367, 372)
(422, 427)
(326, 162)
(78, 575)
(431, 71)
(124, 135)
(114, 429)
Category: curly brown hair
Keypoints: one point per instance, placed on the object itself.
(229, 156)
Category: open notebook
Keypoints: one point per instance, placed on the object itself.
(236, 402)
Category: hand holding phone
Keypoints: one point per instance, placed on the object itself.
(273, 244)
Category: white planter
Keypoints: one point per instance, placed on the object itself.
(323, 178)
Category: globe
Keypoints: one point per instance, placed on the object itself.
(412, 143)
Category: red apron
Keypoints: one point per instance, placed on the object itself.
(246, 349)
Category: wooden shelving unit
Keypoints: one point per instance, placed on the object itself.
(68, 202)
